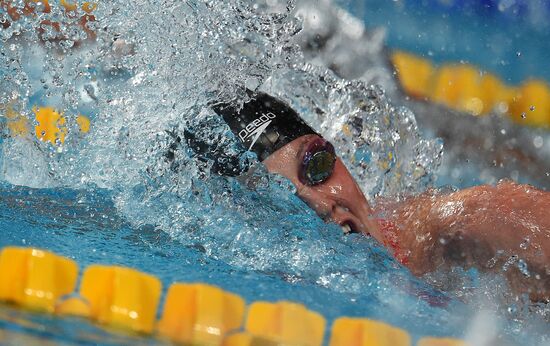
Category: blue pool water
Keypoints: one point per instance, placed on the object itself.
(511, 40)
(111, 198)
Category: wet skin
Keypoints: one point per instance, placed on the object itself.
(483, 226)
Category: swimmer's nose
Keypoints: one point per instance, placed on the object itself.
(322, 205)
(325, 209)
(331, 211)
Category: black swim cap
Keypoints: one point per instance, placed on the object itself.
(264, 124)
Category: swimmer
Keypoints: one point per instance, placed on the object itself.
(504, 227)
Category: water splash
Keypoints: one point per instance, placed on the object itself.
(149, 75)
(156, 68)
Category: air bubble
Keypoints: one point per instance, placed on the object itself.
(525, 243)
(538, 142)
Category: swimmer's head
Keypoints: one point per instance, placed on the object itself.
(264, 124)
(289, 147)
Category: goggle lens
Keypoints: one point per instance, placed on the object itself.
(318, 163)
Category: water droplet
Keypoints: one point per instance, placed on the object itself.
(532, 108)
(525, 243)
(523, 268)
(538, 142)
(491, 263)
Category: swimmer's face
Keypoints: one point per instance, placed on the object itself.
(338, 198)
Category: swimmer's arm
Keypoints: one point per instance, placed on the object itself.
(483, 226)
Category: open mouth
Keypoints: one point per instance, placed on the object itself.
(348, 227)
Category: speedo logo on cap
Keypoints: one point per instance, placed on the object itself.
(255, 128)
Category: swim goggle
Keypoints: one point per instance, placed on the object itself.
(318, 162)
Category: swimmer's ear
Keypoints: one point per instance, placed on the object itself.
(252, 178)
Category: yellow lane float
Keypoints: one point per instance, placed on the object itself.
(73, 305)
(51, 125)
(35, 278)
(414, 73)
(285, 323)
(531, 104)
(121, 297)
(441, 342)
(364, 332)
(466, 88)
(83, 123)
(17, 124)
(194, 314)
(200, 314)
(247, 339)
(87, 6)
